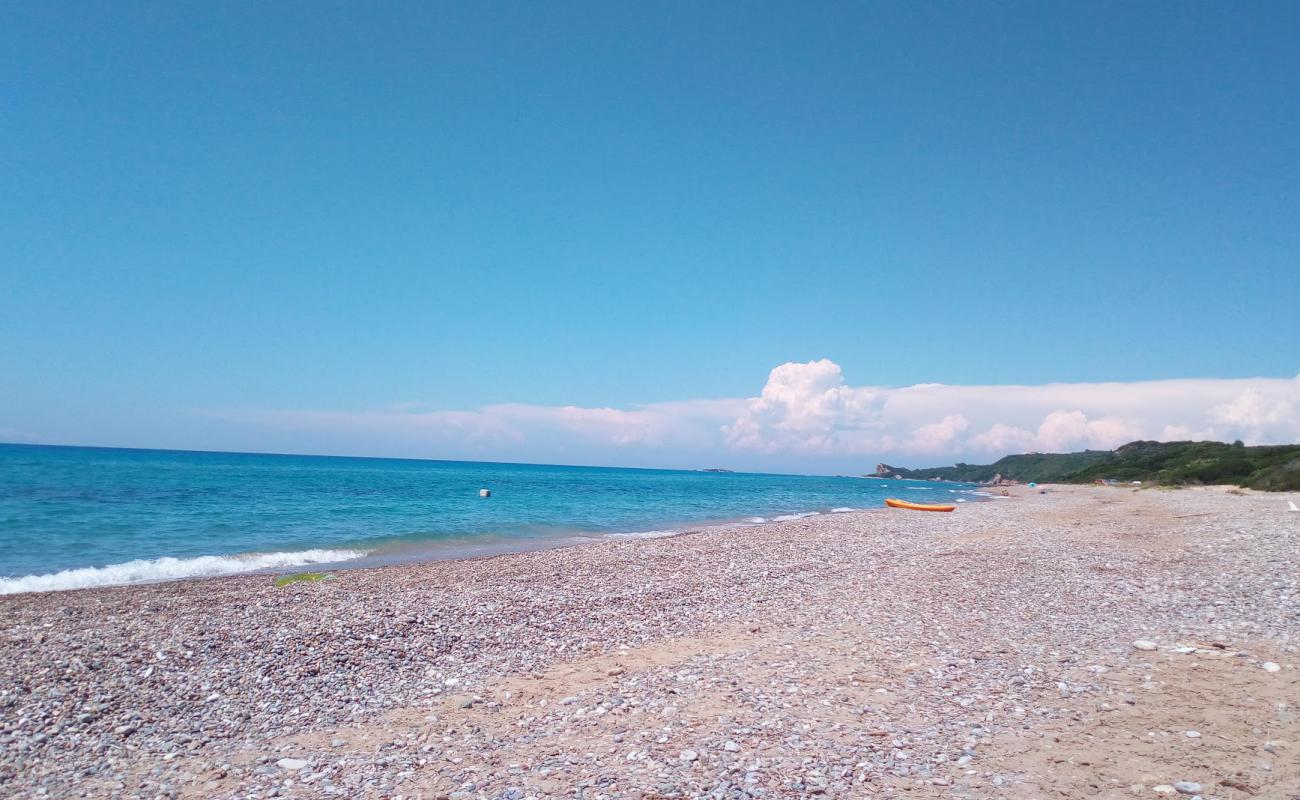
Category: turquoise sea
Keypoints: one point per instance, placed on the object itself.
(80, 516)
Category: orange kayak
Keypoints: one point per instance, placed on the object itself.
(892, 503)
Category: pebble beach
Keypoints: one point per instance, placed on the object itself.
(1099, 642)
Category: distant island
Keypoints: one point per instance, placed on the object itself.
(1274, 468)
(717, 469)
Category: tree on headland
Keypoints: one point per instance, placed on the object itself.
(1270, 468)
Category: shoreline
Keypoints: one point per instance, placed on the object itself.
(414, 555)
(83, 517)
(432, 550)
(844, 655)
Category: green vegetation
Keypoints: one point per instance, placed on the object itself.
(1038, 467)
(301, 577)
(1269, 468)
(1274, 468)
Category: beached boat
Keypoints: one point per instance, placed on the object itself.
(892, 503)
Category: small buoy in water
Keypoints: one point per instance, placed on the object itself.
(484, 492)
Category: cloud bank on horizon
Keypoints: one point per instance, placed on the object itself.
(807, 415)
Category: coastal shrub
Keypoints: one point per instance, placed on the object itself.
(1273, 468)
(1284, 477)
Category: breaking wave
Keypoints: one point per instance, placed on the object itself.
(644, 534)
(790, 517)
(170, 568)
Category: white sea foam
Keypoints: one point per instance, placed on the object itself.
(643, 534)
(843, 510)
(789, 517)
(169, 568)
(758, 520)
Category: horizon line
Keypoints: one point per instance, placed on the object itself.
(412, 458)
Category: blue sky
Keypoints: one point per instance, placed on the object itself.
(217, 213)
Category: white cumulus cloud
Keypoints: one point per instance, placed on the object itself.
(808, 416)
(806, 408)
(1260, 414)
(938, 437)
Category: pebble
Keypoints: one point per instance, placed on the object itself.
(833, 691)
(1270, 666)
(1145, 644)
(1192, 735)
(1187, 787)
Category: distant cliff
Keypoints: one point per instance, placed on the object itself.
(1271, 468)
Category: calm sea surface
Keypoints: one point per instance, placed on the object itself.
(75, 516)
